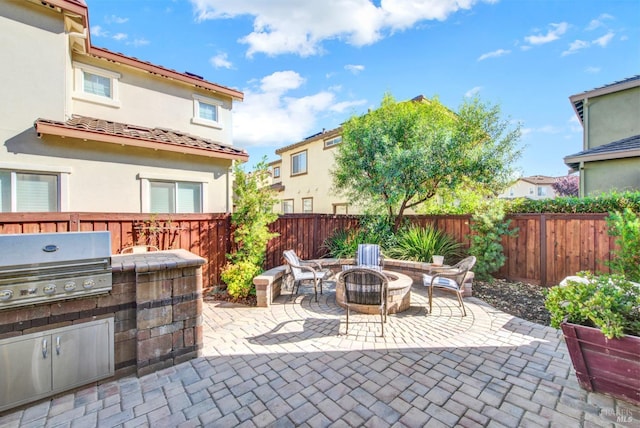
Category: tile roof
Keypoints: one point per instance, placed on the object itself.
(539, 179)
(123, 133)
(626, 147)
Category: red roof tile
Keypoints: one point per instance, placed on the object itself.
(165, 139)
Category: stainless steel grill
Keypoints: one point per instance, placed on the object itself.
(42, 267)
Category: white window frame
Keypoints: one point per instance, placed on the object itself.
(62, 173)
(304, 210)
(197, 99)
(306, 162)
(78, 90)
(333, 141)
(276, 172)
(145, 187)
(542, 191)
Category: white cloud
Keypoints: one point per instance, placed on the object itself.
(300, 27)
(604, 40)
(98, 31)
(575, 47)
(355, 69)
(592, 70)
(115, 19)
(494, 54)
(271, 115)
(139, 42)
(553, 33)
(221, 61)
(598, 22)
(120, 36)
(473, 91)
(574, 124)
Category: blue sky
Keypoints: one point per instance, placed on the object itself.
(305, 65)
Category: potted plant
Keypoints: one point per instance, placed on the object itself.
(600, 320)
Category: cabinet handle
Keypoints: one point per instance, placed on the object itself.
(57, 345)
(44, 348)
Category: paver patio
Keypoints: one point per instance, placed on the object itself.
(288, 365)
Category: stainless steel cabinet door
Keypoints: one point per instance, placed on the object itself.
(82, 354)
(25, 369)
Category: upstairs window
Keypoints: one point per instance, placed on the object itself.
(299, 163)
(206, 111)
(28, 192)
(276, 172)
(333, 141)
(96, 85)
(175, 197)
(307, 205)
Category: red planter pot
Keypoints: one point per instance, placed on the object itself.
(609, 366)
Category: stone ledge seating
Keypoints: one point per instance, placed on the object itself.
(269, 283)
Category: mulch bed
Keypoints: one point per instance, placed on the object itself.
(519, 299)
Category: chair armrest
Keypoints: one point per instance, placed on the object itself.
(315, 265)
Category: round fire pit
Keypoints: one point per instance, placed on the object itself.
(398, 300)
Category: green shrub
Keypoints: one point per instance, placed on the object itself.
(625, 227)
(606, 202)
(488, 226)
(239, 278)
(608, 302)
(420, 244)
(343, 244)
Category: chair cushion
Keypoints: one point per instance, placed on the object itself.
(439, 282)
(372, 267)
(368, 255)
(305, 275)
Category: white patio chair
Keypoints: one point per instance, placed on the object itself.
(450, 278)
(305, 271)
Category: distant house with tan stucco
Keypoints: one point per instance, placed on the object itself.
(96, 131)
(532, 187)
(302, 176)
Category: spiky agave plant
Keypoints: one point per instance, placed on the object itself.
(421, 243)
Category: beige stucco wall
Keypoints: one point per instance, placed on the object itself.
(611, 117)
(524, 189)
(37, 81)
(598, 176)
(154, 101)
(316, 183)
(32, 75)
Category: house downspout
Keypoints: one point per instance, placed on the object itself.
(582, 189)
(230, 187)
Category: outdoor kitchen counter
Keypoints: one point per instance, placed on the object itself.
(155, 261)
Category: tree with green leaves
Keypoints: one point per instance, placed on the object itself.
(404, 153)
(253, 212)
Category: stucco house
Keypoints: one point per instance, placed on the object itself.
(610, 117)
(302, 176)
(533, 187)
(92, 130)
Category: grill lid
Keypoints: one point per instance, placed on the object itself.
(52, 248)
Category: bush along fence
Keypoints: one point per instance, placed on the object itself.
(547, 248)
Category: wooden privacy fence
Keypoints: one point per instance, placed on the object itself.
(548, 247)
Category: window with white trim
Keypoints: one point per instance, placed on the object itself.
(96, 84)
(307, 205)
(175, 197)
(333, 141)
(276, 172)
(29, 192)
(299, 163)
(287, 206)
(542, 191)
(206, 111)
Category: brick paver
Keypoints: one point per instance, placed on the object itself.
(292, 365)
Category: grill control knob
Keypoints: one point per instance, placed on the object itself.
(5, 294)
(49, 289)
(69, 286)
(88, 283)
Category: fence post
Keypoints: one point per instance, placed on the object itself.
(543, 249)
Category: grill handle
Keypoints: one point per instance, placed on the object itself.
(58, 347)
(44, 349)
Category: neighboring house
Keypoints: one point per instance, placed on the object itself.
(302, 176)
(87, 129)
(610, 159)
(534, 187)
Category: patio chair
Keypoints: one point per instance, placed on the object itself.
(305, 271)
(449, 278)
(363, 286)
(368, 256)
